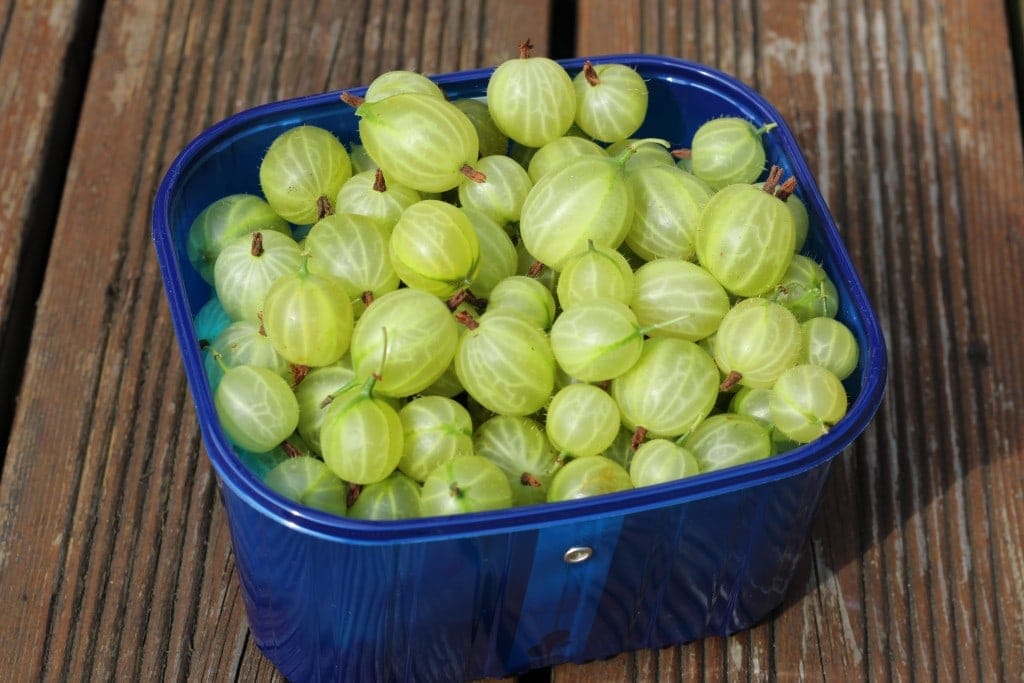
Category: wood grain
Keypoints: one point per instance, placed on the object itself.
(42, 54)
(907, 115)
(115, 561)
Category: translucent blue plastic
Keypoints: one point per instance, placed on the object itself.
(491, 594)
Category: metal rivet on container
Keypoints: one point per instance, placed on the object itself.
(578, 554)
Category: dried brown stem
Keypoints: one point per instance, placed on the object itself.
(289, 448)
(638, 437)
(466, 318)
(353, 494)
(324, 208)
(786, 189)
(772, 182)
(257, 244)
(731, 380)
(352, 100)
(682, 153)
(535, 269)
(525, 48)
(378, 181)
(456, 299)
(527, 479)
(590, 73)
(473, 174)
(299, 373)
(367, 298)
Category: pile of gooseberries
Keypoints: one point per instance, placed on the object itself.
(505, 301)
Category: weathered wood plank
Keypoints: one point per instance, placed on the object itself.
(43, 47)
(114, 554)
(907, 115)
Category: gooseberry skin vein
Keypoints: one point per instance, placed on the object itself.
(758, 339)
(806, 401)
(434, 247)
(669, 390)
(303, 165)
(361, 437)
(745, 238)
(506, 364)
(668, 204)
(728, 150)
(242, 278)
(256, 407)
(588, 200)
(308, 318)
(582, 420)
(596, 340)
(421, 338)
(420, 141)
(531, 99)
(612, 107)
(224, 220)
(726, 440)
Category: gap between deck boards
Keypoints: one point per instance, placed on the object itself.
(42, 215)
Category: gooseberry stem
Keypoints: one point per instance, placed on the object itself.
(304, 263)
(786, 189)
(772, 181)
(473, 174)
(535, 268)
(378, 181)
(352, 100)
(290, 450)
(456, 299)
(375, 377)
(329, 398)
(353, 494)
(256, 249)
(466, 318)
(773, 187)
(631, 148)
(527, 479)
(525, 48)
(324, 207)
(299, 373)
(219, 359)
(590, 73)
(731, 380)
(638, 437)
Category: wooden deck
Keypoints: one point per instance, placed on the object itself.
(115, 561)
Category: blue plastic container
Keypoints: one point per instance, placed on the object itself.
(492, 594)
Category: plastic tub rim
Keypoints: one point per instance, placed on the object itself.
(233, 474)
